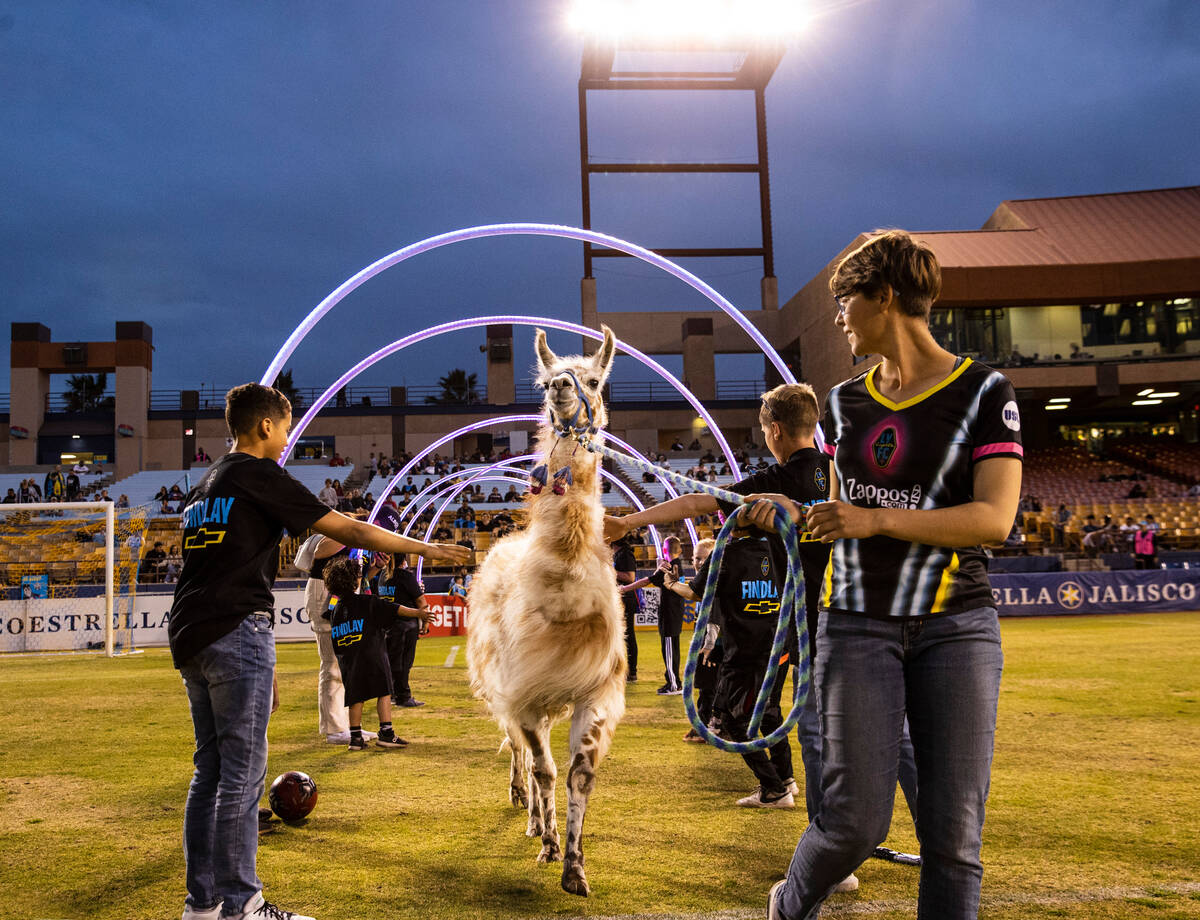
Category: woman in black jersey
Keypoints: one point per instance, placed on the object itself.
(927, 460)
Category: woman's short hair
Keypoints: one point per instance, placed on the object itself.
(891, 258)
(792, 405)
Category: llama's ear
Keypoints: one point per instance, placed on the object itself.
(604, 357)
(546, 358)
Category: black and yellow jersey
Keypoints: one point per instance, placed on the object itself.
(747, 596)
(917, 454)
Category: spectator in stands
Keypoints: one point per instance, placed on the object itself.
(1128, 530)
(676, 444)
(154, 562)
(55, 487)
(176, 496)
(201, 456)
(712, 475)
(72, 484)
(409, 487)
(1061, 518)
(1089, 525)
(174, 563)
(1150, 523)
(1138, 491)
(695, 445)
(1101, 540)
(1145, 548)
(512, 496)
(465, 519)
(327, 495)
(10, 498)
(336, 460)
(443, 534)
(457, 588)
(80, 467)
(708, 457)
(122, 501)
(161, 496)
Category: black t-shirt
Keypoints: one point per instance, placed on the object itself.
(402, 588)
(318, 567)
(803, 478)
(670, 604)
(748, 592)
(623, 561)
(359, 623)
(917, 454)
(233, 520)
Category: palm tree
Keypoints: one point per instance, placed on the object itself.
(457, 387)
(85, 393)
(285, 385)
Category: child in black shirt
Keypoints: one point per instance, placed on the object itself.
(360, 623)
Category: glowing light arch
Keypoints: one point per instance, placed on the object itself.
(484, 423)
(476, 322)
(520, 229)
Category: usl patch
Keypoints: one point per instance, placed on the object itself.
(819, 480)
(766, 566)
(884, 447)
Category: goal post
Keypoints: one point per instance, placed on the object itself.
(69, 575)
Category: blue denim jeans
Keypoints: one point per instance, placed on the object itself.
(944, 673)
(229, 690)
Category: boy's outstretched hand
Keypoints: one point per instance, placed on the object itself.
(614, 528)
(448, 552)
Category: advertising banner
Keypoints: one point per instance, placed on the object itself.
(1058, 593)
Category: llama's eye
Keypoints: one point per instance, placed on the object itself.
(593, 383)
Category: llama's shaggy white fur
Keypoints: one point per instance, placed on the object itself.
(546, 636)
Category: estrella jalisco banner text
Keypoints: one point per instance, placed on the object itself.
(1129, 591)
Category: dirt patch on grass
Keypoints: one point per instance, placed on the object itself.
(50, 802)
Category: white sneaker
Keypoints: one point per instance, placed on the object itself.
(344, 737)
(213, 913)
(773, 899)
(792, 786)
(259, 909)
(849, 883)
(756, 800)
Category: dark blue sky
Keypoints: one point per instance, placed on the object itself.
(216, 169)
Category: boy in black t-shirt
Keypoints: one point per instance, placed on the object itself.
(748, 593)
(398, 585)
(359, 632)
(670, 616)
(222, 642)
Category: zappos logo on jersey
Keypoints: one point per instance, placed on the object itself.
(884, 447)
(1011, 416)
(883, 497)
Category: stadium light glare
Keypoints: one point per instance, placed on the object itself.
(1146, 392)
(1147, 402)
(1050, 407)
(701, 20)
(1171, 395)
(1061, 399)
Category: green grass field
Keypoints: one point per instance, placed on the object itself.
(1094, 809)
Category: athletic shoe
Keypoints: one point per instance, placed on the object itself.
(264, 821)
(357, 744)
(678, 691)
(773, 900)
(259, 909)
(391, 741)
(410, 703)
(792, 786)
(693, 736)
(849, 883)
(756, 799)
(631, 678)
(344, 737)
(664, 690)
(213, 913)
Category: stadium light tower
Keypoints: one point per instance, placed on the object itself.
(682, 45)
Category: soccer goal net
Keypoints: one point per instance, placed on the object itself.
(69, 575)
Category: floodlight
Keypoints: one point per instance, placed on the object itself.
(1147, 402)
(702, 20)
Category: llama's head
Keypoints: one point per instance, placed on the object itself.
(563, 396)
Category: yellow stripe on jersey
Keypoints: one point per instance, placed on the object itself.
(939, 599)
(828, 582)
(894, 406)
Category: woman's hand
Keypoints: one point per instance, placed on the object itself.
(836, 520)
(615, 529)
(447, 552)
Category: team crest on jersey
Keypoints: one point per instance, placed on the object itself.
(766, 566)
(884, 447)
(819, 480)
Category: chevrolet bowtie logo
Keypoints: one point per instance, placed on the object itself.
(204, 537)
(348, 640)
(762, 608)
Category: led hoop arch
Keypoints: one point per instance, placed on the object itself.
(490, 472)
(458, 325)
(475, 426)
(450, 477)
(517, 229)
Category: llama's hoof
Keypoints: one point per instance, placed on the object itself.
(550, 853)
(533, 829)
(574, 881)
(516, 795)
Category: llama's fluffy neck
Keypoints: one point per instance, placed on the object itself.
(574, 518)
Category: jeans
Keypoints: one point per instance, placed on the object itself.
(944, 672)
(229, 687)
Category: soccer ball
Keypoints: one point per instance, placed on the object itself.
(293, 795)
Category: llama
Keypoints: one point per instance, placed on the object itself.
(546, 635)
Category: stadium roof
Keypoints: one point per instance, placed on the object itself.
(1081, 249)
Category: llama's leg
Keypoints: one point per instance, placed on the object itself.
(544, 774)
(517, 776)
(591, 734)
(536, 819)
